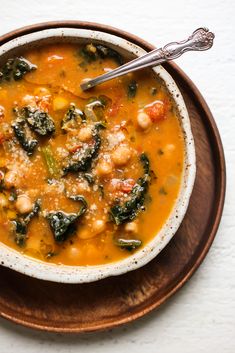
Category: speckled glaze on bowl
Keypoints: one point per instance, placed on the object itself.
(82, 274)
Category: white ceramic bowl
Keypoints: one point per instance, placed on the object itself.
(81, 274)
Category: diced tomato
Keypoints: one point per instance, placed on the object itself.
(127, 185)
(74, 148)
(115, 107)
(44, 103)
(123, 186)
(139, 149)
(156, 111)
(2, 138)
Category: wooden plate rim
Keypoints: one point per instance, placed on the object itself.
(218, 151)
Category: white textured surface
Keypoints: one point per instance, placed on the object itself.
(201, 317)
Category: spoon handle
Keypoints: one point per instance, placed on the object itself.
(201, 39)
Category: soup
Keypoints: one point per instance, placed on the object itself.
(86, 178)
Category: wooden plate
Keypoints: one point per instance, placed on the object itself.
(118, 300)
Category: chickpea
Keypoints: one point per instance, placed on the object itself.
(2, 112)
(131, 227)
(98, 226)
(86, 234)
(10, 179)
(42, 91)
(104, 168)
(5, 131)
(121, 155)
(24, 204)
(91, 48)
(29, 100)
(3, 201)
(144, 121)
(85, 134)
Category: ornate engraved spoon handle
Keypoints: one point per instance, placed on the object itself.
(201, 39)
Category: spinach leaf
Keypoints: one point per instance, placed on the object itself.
(15, 69)
(130, 209)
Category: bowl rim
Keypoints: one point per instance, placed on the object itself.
(81, 274)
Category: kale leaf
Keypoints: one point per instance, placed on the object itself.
(15, 69)
(92, 52)
(89, 178)
(79, 198)
(35, 119)
(81, 160)
(72, 118)
(145, 163)
(106, 52)
(39, 121)
(27, 144)
(63, 224)
(22, 222)
(34, 212)
(130, 209)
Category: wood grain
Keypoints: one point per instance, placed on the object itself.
(117, 300)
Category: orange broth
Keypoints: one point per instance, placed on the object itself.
(134, 117)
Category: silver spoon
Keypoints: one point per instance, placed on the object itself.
(201, 39)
